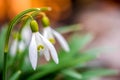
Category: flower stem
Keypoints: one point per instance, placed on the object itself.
(14, 21)
(5, 66)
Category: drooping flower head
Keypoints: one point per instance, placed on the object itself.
(51, 34)
(17, 44)
(41, 45)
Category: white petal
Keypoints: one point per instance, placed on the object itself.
(45, 51)
(38, 39)
(47, 54)
(33, 52)
(47, 33)
(39, 42)
(22, 45)
(61, 40)
(51, 48)
(13, 48)
(26, 34)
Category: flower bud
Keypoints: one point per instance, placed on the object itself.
(45, 21)
(34, 26)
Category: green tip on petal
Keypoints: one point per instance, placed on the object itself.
(16, 35)
(45, 21)
(34, 26)
(40, 47)
(52, 40)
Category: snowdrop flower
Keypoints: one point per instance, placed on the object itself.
(21, 46)
(26, 34)
(17, 45)
(41, 45)
(20, 41)
(13, 48)
(51, 34)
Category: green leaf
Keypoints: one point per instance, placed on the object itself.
(16, 75)
(76, 43)
(2, 42)
(81, 59)
(72, 73)
(70, 28)
(98, 73)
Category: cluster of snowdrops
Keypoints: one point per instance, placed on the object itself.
(40, 43)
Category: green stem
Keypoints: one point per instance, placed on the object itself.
(27, 19)
(4, 67)
(10, 27)
(15, 21)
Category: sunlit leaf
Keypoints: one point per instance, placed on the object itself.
(15, 76)
(71, 28)
(98, 72)
(72, 73)
(2, 41)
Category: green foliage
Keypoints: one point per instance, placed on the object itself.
(2, 42)
(98, 72)
(72, 73)
(15, 76)
(72, 65)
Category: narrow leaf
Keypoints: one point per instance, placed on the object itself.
(98, 72)
(16, 75)
(72, 73)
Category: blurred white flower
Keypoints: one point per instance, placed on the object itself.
(26, 34)
(49, 33)
(21, 44)
(17, 45)
(41, 45)
(13, 48)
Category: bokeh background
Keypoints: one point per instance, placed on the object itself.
(101, 18)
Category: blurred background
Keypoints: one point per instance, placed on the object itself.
(101, 18)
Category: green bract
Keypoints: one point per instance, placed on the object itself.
(34, 26)
(45, 21)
